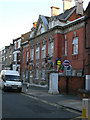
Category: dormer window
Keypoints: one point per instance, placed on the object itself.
(52, 23)
(15, 45)
(42, 30)
(19, 42)
(32, 34)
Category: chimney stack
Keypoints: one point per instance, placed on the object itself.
(54, 11)
(66, 4)
(79, 5)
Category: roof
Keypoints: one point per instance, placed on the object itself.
(87, 11)
(45, 20)
(16, 39)
(66, 15)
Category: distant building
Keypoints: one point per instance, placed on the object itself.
(17, 54)
(3, 57)
(6, 57)
(0, 60)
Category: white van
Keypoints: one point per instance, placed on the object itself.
(10, 79)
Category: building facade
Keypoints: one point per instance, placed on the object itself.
(3, 57)
(6, 57)
(24, 56)
(17, 54)
(55, 37)
(0, 60)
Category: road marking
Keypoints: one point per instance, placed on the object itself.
(73, 111)
(44, 101)
(76, 118)
(52, 104)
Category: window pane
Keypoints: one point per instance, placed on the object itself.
(37, 73)
(65, 47)
(51, 48)
(43, 74)
(32, 54)
(75, 45)
(44, 51)
(37, 53)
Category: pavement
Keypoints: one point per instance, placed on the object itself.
(62, 100)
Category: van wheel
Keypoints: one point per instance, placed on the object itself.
(4, 89)
(20, 90)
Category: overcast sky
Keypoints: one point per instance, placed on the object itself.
(17, 16)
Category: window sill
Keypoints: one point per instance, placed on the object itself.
(75, 54)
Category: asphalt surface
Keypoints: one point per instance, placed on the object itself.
(65, 100)
(19, 105)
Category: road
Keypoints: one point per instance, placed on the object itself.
(18, 105)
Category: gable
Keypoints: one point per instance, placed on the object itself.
(74, 16)
(41, 29)
(42, 25)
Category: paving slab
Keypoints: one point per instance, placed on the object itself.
(73, 104)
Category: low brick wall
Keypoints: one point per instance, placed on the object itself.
(70, 84)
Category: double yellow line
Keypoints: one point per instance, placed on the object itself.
(52, 104)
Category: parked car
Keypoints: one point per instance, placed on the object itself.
(10, 79)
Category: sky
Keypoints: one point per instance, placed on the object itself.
(17, 16)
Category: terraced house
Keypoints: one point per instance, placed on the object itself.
(52, 38)
(17, 54)
(6, 56)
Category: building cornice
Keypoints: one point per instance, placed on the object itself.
(71, 26)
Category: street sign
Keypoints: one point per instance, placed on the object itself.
(66, 63)
(61, 68)
(58, 61)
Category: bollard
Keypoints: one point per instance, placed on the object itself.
(27, 87)
(86, 109)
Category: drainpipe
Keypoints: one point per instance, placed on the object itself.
(85, 32)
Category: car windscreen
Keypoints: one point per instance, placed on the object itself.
(12, 77)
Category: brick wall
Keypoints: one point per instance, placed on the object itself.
(77, 61)
(74, 83)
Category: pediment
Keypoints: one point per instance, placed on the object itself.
(42, 25)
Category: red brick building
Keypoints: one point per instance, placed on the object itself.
(25, 56)
(62, 37)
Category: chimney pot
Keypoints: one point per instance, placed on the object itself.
(34, 24)
(54, 11)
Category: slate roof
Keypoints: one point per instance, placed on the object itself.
(66, 15)
(87, 11)
(45, 20)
